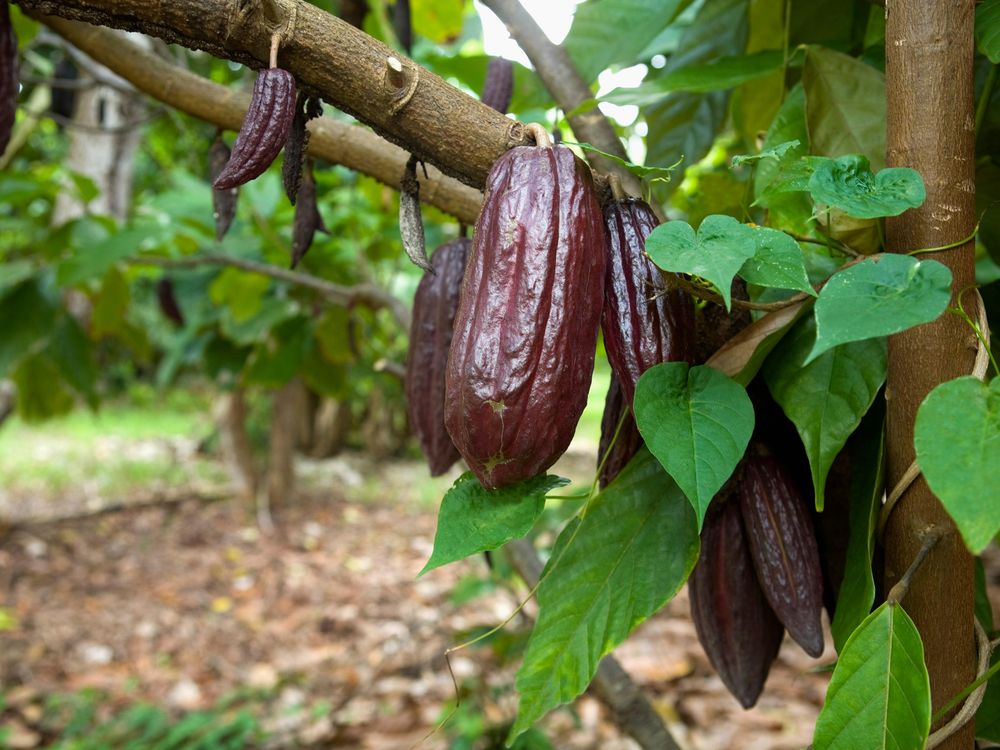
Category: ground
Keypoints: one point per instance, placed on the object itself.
(322, 632)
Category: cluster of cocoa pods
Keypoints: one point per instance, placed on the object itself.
(758, 574)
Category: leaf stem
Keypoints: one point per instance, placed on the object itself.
(959, 310)
(965, 692)
(931, 536)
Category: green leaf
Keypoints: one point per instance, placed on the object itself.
(654, 174)
(71, 351)
(94, 261)
(845, 106)
(777, 261)
(110, 306)
(776, 152)
(272, 312)
(440, 21)
(716, 75)
(277, 359)
(719, 250)
(879, 696)
(957, 436)
(988, 29)
(849, 184)
(988, 715)
(332, 333)
(983, 606)
(827, 397)
(41, 393)
(473, 519)
(626, 558)
(697, 422)
(635, 24)
(241, 291)
(879, 296)
(856, 594)
(28, 316)
(327, 378)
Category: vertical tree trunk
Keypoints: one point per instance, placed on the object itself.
(929, 88)
(281, 467)
(237, 455)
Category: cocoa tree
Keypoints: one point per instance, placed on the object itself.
(863, 372)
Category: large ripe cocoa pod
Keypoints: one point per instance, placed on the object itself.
(737, 628)
(498, 88)
(643, 324)
(783, 547)
(8, 75)
(612, 458)
(265, 128)
(526, 330)
(434, 308)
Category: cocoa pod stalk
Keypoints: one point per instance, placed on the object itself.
(737, 628)
(434, 308)
(643, 323)
(307, 219)
(498, 89)
(526, 330)
(264, 131)
(784, 550)
(612, 458)
(223, 201)
(411, 221)
(8, 75)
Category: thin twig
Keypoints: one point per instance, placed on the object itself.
(931, 537)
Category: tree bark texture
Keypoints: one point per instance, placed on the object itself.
(335, 142)
(237, 454)
(416, 109)
(281, 466)
(929, 90)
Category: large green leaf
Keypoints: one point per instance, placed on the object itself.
(635, 24)
(697, 422)
(849, 184)
(988, 29)
(609, 571)
(720, 248)
(277, 358)
(792, 211)
(777, 261)
(856, 595)
(41, 391)
(473, 519)
(28, 315)
(827, 397)
(241, 291)
(440, 20)
(879, 696)
(879, 296)
(94, 261)
(957, 438)
(71, 351)
(845, 106)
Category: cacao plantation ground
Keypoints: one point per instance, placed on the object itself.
(316, 636)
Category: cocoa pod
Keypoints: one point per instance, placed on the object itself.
(612, 458)
(306, 109)
(223, 201)
(736, 626)
(498, 88)
(8, 75)
(402, 25)
(434, 308)
(411, 221)
(526, 329)
(307, 219)
(168, 302)
(643, 323)
(783, 547)
(264, 130)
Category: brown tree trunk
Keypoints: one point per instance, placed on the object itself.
(237, 455)
(332, 422)
(929, 89)
(281, 466)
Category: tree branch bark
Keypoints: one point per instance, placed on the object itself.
(929, 72)
(563, 81)
(427, 116)
(633, 714)
(367, 295)
(335, 142)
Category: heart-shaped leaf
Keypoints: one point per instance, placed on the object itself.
(879, 296)
(697, 422)
(988, 29)
(777, 261)
(720, 248)
(957, 438)
(473, 519)
(849, 184)
(880, 695)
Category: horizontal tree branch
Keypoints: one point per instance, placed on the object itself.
(418, 110)
(367, 295)
(335, 142)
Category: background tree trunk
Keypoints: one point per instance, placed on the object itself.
(284, 427)
(929, 90)
(237, 455)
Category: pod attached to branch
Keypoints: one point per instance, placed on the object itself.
(8, 75)
(265, 127)
(498, 88)
(411, 221)
(307, 220)
(306, 108)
